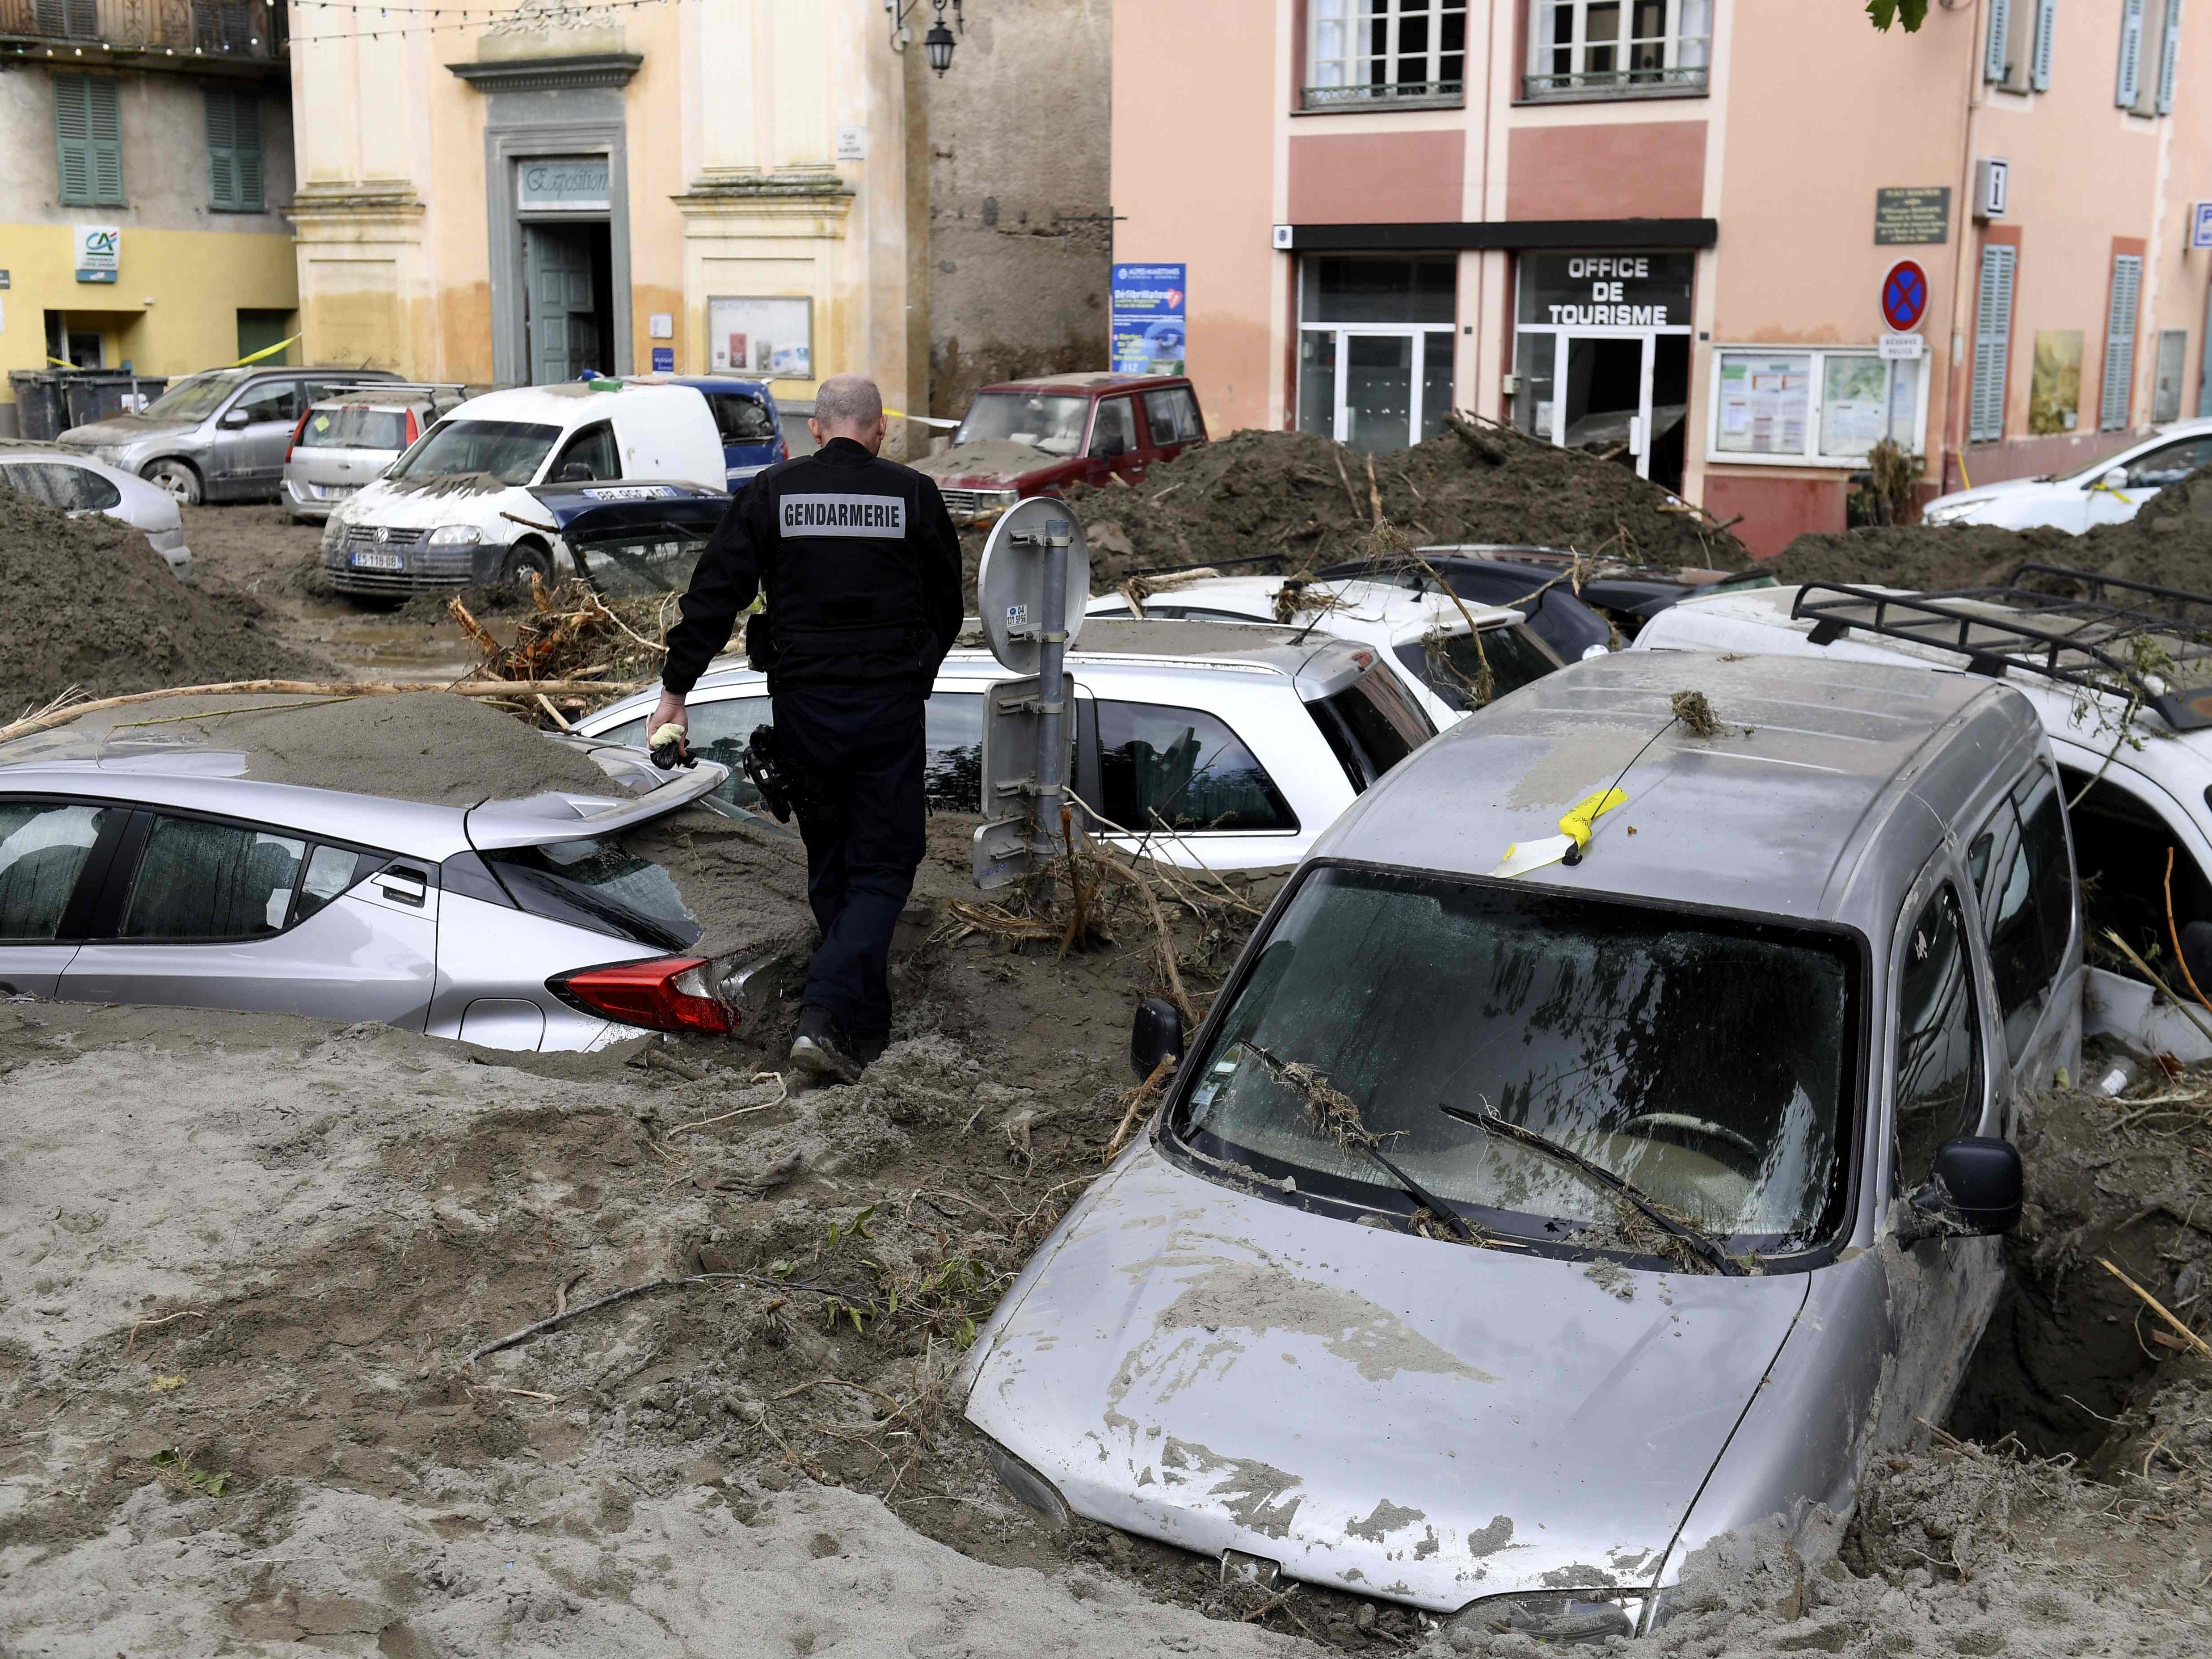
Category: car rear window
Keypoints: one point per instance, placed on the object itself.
(597, 885)
(1371, 725)
(1452, 665)
(351, 427)
(740, 419)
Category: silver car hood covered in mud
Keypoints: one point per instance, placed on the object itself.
(1409, 1418)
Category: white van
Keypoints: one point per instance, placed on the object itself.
(455, 510)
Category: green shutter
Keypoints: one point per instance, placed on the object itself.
(234, 142)
(88, 140)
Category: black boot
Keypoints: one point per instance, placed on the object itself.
(822, 1049)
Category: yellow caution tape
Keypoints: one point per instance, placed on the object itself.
(2101, 485)
(265, 352)
(1580, 816)
(920, 420)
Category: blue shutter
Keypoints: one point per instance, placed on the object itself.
(2131, 33)
(2116, 399)
(2169, 55)
(1992, 345)
(2046, 25)
(1997, 51)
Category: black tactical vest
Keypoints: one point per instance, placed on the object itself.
(844, 581)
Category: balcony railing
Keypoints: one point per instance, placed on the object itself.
(1397, 95)
(1684, 80)
(247, 29)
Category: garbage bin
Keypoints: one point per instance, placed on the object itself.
(48, 402)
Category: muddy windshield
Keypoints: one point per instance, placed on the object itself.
(1709, 1062)
(509, 451)
(1453, 665)
(1052, 424)
(193, 399)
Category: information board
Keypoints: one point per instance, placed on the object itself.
(1146, 322)
(1905, 214)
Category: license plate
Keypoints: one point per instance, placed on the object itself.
(333, 492)
(376, 562)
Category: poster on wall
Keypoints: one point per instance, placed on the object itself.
(767, 339)
(1762, 402)
(2054, 386)
(1146, 321)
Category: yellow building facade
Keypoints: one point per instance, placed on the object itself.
(142, 224)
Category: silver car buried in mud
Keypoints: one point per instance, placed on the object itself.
(1505, 1236)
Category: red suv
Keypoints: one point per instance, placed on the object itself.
(1035, 437)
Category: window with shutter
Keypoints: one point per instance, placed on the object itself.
(1992, 345)
(1997, 54)
(2046, 25)
(2129, 88)
(2117, 398)
(2169, 54)
(88, 140)
(234, 142)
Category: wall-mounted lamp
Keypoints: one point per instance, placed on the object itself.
(939, 43)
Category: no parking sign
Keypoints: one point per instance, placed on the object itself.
(1904, 296)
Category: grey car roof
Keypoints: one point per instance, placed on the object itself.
(1772, 815)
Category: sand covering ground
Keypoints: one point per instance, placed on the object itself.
(86, 603)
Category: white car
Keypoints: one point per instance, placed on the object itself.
(76, 483)
(1233, 747)
(2105, 492)
(456, 510)
(2136, 771)
(1424, 637)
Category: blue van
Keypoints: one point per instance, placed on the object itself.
(745, 414)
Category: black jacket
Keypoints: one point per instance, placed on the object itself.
(859, 562)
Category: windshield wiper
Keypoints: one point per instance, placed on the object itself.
(1708, 1247)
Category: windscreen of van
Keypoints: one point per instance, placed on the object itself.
(352, 427)
(509, 451)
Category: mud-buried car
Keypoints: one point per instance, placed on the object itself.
(1535, 1206)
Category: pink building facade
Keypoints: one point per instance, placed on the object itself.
(1665, 230)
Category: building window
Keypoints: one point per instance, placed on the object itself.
(1364, 53)
(2150, 54)
(234, 142)
(2116, 399)
(2172, 358)
(2016, 50)
(1824, 408)
(1618, 47)
(1375, 348)
(89, 135)
(1992, 344)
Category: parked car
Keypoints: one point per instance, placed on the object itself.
(2134, 753)
(1035, 437)
(745, 414)
(62, 478)
(1613, 599)
(1504, 1239)
(456, 509)
(131, 873)
(219, 436)
(346, 441)
(1230, 747)
(2103, 492)
(1426, 638)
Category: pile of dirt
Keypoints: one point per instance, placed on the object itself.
(86, 604)
(1306, 501)
(2168, 542)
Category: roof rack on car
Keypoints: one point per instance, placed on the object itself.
(2089, 638)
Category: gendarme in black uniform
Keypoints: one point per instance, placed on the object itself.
(860, 565)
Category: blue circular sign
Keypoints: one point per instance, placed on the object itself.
(1903, 296)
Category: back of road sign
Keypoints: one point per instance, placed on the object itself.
(1010, 582)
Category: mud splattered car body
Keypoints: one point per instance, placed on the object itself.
(1254, 1337)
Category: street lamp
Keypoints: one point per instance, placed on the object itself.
(939, 43)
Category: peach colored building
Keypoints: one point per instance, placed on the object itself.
(1663, 229)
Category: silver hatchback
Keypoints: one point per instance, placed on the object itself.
(344, 442)
(147, 866)
(1533, 1207)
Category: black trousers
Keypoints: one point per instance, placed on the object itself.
(858, 750)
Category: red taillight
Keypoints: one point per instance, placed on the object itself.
(662, 994)
(293, 442)
(414, 428)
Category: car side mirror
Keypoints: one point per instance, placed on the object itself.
(1156, 1033)
(233, 418)
(575, 472)
(2117, 479)
(1974, 1191)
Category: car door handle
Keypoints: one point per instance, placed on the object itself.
(402, 887)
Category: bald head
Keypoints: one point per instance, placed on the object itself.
(849, 406)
